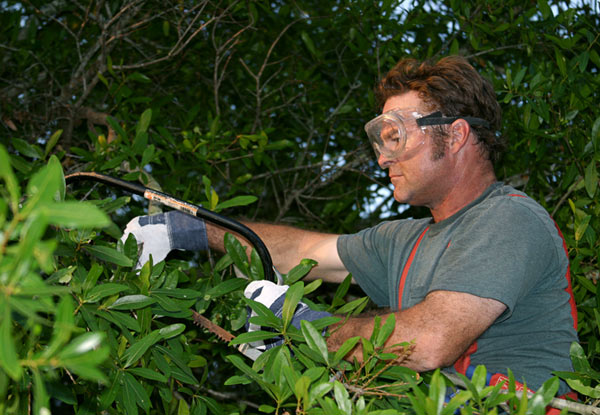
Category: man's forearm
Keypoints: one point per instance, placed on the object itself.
(288, 246)
(441, 327)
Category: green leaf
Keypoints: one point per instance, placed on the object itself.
(308, 43)
(134, 392)
(591, 179)
(183, 408)
(237, 380)
(213, 199)
(108, 254)
(92, 277)
(104, 290)
(182, 293)
(139, 77)
(26, 149)
(292, 297)
(82, 344)
(148, 374)
(57, 167)
(166, 303)
(256, 266)
(171, 330)
(132, 302)
(279, 145)
(561, 62)
(140, 143)
(315, 340)
(386, 330)
(342, 398)
(253, 336)
(116, 126)
(115, 387)
(579, 359)
(318, 391)
(144, 122)
(544, 8)
(252, 374)
(582, 227)
(478, 380)
(299, 271)
(44, 187)
(6, 174)
(63, 326)
(226, 287)
(8, 353)
(139, 348)
(122, 320)
(596, 133)
(354, 307)
(301, 387)
(41, 401)
(549, 389)
(346, 347)
(235, 201)
(52, 142)
(147, 155)
(237, 253)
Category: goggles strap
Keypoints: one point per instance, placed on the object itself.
(436, 118)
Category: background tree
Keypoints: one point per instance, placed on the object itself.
(211, 100)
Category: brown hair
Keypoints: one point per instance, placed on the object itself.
(453, 87)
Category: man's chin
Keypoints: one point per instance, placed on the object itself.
(402, 197)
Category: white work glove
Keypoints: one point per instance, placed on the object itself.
(272, 296)
(157, 235)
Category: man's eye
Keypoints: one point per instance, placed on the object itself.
(391, 138)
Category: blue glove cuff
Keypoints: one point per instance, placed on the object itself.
(185, 231)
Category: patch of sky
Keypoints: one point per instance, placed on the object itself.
(382, 196)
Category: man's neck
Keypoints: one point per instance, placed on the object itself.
(463, 191)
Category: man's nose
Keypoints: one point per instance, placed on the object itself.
(384, 162)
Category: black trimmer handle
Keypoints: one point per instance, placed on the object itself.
(189, 208)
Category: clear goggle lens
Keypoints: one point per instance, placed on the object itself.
(388, 134)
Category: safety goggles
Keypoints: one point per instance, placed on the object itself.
(388, 133)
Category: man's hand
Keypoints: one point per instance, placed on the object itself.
(157, 235)
(273, 296)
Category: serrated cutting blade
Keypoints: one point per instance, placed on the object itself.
(224, 335)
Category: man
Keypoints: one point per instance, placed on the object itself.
(486, 279)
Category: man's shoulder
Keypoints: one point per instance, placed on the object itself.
(507, 210)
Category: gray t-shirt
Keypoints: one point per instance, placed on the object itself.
(502, 246)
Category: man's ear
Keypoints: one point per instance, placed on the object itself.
(459, 134)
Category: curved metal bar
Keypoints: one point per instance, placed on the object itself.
(270, 273)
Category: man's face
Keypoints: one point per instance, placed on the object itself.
(420, 179)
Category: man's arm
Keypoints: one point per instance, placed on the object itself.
(288, 246)
(442, 326)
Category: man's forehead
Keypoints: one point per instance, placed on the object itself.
(408, 100)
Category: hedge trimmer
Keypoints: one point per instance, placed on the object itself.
(271, 273)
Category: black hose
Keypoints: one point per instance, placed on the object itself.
(188, 208)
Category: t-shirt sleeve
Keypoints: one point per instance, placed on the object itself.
(361, 258)
(375, 256)
(501, 253)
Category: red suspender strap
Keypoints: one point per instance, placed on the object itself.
(407, 267)
(569, 289)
